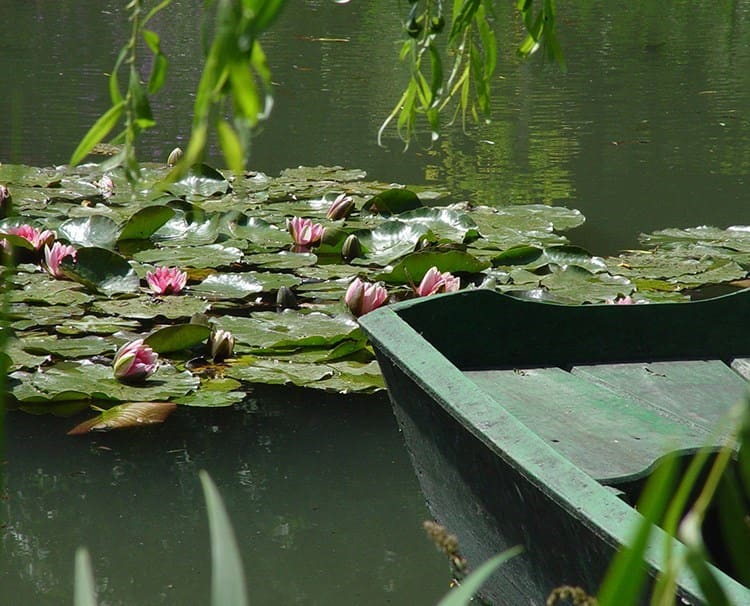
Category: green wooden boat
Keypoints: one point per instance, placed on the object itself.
(535, 423)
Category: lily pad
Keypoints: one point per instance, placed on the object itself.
(101, 270)
(206, 398)
(66, 348)
(389, 241)
(241, 285)
(177, 337)
(411, 269)
(393, 201)
(266, 331)
(144, 223)
(96, 231)
(66, 381)
(146, 307)
(201, 181)
(213, 255)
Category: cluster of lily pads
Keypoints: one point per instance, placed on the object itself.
(233, 280)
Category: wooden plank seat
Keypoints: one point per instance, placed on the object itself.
(615, 421)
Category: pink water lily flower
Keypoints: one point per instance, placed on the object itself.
(53, 256)
(134, 362)
(166, 280)
(303, 231)
(361, 298)
(435, 282)
(37, 237)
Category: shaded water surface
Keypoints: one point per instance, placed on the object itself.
(319, 489)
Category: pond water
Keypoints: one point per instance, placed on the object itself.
(649, 128)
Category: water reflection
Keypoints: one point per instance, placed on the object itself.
(648, 129)
(320, 492)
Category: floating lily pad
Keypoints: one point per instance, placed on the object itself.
(393, 201)
(177, 337)
(445, 223)
(101, 270)
(241, 285)
(264, 331)
(67, 381)
(201, 181)
(94, 325)
(144, 223)
(389, 241)
(278, 372)
(96, 230)
(206, 398)
(213, 255)
(146, 307)
(411, 269)
(42, 288)
(66, 348)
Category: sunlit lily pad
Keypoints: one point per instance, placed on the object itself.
(241, 285)
(206, 398)
(201, 181)
(735, 238)
(213, 255)
(42, 288)
(66, 348)
(85, 380)
(389, 241)
(264, 331)
(445, 223)
(94, 325)
(24, 317)
(279, 372)
(145, 307)
(576, 285)
(95, 230)
(352, 377)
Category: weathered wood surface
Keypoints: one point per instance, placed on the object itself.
(615, 421)
(488, 463)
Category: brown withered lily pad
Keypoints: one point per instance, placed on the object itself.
(125, 416)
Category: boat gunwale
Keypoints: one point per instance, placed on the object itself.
(581, 496)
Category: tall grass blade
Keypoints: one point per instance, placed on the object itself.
(227, 574)
(624, 580)
(460, 596)
(84, 588)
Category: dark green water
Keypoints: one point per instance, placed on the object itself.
(319, 489)
(649, 128)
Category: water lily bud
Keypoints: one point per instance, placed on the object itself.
(341, 207)
(134, 362)
(222, 345)
(4, 200)
(285, 298)
(361, 298)
(352, 248)
(106, 186)
(174, 156)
